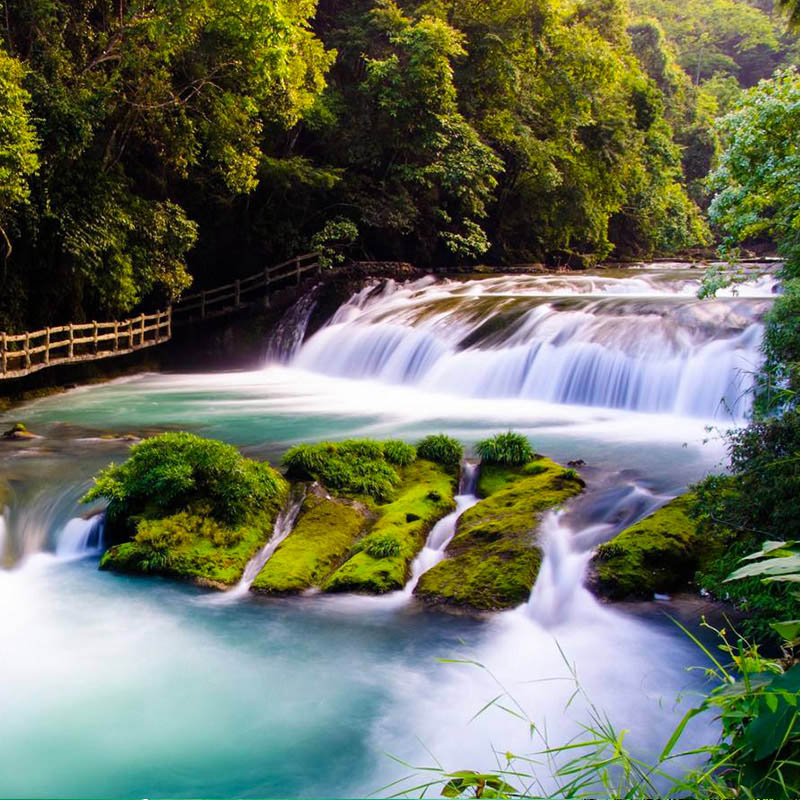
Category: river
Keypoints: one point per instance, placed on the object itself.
(118, 686)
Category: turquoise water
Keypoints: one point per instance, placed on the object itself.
(118, 687)
(113, 686)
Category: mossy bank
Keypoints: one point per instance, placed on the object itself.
(495, 555)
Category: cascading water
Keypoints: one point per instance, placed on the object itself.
(445, 529)
(627, 343)
(284, 524)
(286, 339)
(81, 537)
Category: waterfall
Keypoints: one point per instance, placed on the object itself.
(284, 525)
(289, 333)
(568, 540)
(444, 530)
(626, 343)
(81, 537)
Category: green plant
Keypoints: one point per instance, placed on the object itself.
(512, 449)
(355, 466)
(382, 546)
(442, 449)
(172, 471)
(399, 453)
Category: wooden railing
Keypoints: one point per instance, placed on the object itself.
(23, 353)
(232, 296)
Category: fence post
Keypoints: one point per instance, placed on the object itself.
(94, 322)
(297, 267)
(27, 351)
(5, 354)
(141, 334)
(116, 335)
(71, 352)
(130, 334)
(169, 321)
(202, 305)
(237, 293)
(47, 345)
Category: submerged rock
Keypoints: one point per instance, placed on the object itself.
(494, 558)
(658, 555)
(19, 432)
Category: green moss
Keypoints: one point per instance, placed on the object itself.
(494, 557)
(659, 554)
(424, 496)
(192, 546)
(323, 536)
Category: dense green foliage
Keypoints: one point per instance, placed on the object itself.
(146, 142)
(512, 449)
(353, 467)
(171, 472)
(756, 503)
(442, 449)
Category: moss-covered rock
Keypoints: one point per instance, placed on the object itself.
(324, 534)
(192, 546)
(19, 432)
(659, 554)
(494, 558)
(424, 496)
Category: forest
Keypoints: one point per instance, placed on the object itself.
(150, 146)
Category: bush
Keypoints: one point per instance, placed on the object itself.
(399, 453)
(512, 449)
(441, 449)
(355, 467)
(382, 546)
(755, 504)
(170, 472)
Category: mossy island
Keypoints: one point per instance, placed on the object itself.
(195, 509)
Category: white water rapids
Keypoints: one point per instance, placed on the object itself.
(635, 344)
(121, 686)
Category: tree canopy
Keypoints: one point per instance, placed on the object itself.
(149, 144)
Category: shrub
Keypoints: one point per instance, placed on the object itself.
(383, 546)
(399, 453)
(512, 449)
(442, 449)
(170, 472)
(356, 466)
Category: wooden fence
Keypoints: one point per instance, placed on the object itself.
(23, 353)
(241, 293)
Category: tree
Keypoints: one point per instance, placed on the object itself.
(18, 145)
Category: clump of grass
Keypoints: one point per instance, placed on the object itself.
(353, 467)
(168, 473)
(442, 449)
(399, 453)
(382, 546)
(511, 449)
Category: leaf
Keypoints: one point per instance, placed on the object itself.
(786, 565)
(788, 629)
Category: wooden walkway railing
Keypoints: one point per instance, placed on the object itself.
(241, 293)
(24, 353)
